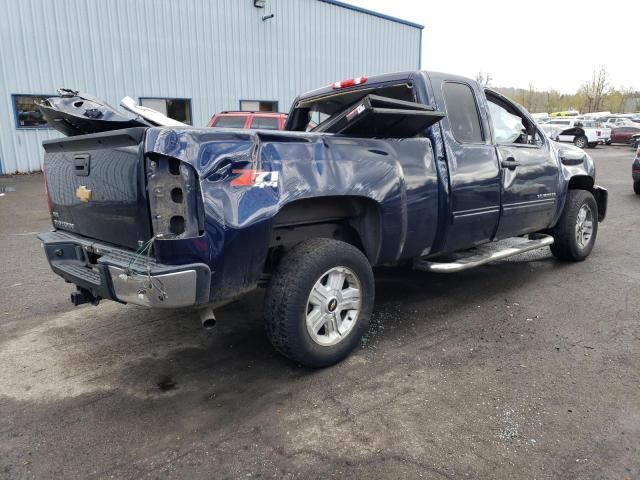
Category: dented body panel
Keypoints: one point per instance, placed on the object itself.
(242, 196)
(399, 176)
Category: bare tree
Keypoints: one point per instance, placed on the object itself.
(530, 102)
(595, 90)
(626, 94)
(484, 80)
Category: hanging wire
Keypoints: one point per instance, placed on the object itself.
(145, 251)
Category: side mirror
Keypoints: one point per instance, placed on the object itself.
(571, 157)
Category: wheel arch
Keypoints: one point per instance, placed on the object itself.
(353, 219)
(586, 182)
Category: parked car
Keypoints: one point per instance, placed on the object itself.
(540, 117)
(635, 172)
(623, 134)
(566, 113)
(255, 120)
(579, 131)
(426, 169)
(617, 122)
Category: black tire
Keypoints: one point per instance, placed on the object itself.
(608, 142)
(566, 245)
(581, 141)
(288, 296)
(636, 187)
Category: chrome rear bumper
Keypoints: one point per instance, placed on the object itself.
(108, 272)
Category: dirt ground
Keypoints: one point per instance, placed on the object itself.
(527, 368)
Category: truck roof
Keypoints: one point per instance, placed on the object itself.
(377, 79)
(387, 77)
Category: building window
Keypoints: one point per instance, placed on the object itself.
(27, 113)
(258, 106)
(177, 108)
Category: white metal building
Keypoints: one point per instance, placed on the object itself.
(190, 58)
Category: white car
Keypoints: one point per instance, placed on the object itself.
(579, 131)
(616, 122)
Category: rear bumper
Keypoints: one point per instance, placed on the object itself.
(108, 272)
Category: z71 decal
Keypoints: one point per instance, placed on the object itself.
(249, 177)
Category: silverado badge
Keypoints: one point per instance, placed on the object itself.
(83, 193)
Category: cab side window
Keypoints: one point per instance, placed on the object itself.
(462, 113)
(510, 126)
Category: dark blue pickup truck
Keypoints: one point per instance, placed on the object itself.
(418, 168)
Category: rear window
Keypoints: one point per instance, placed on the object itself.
(265, 123)
(462, 113)
(230, 121)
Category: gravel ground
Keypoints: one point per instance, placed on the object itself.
(527, 368)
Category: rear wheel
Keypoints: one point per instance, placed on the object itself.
(581, 142)
(575, 233)
(636, 187)
(319, 301)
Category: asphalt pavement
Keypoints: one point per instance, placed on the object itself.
(526, 368)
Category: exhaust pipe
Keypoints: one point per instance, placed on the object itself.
(207, 318)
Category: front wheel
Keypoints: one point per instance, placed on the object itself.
(581, 142)
(319, 301)
(575, 233)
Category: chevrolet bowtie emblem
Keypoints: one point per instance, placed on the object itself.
(83, 193)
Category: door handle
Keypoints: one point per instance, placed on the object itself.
(510, 163)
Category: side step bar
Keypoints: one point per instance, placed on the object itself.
(486, 253)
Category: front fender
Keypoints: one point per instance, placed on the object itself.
(578, 175)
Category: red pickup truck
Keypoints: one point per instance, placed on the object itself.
(255, 120)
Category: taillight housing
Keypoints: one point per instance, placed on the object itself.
(174, 201)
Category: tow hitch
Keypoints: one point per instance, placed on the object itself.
(82, 296)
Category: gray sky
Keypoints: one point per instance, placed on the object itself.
(549, 43)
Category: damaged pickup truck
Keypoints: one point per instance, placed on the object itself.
(418, 168)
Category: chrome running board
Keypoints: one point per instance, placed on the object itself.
(489, 252)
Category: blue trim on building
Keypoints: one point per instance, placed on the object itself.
(420, 52)
(371, 12)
